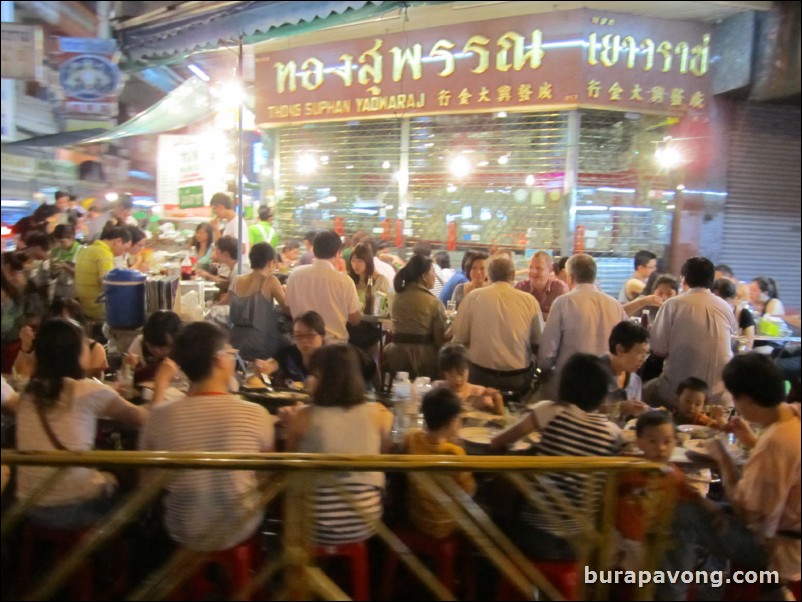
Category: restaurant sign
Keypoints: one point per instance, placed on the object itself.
(557, 60)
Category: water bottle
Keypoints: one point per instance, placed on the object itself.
(402, 391)
(423, 384)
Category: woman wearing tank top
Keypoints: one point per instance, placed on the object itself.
(340, 421)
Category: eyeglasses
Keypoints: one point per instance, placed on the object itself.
(232, 353)
(305, 336)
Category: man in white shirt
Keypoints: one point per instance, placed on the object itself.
(579, 321)
(223, 210)
(693, 332)
(320, 287)
(501, 328)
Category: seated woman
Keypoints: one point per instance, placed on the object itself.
(764, 297)
(477, 277)
(134, 259)
(419, 321)
(291, 364)
(202, 246)
(578, 430)
(59, 411)
(340, 421)
(253, 318)
(69, 309)
(368, 283)
(154, 344)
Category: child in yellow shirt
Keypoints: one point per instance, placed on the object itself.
(441, 412)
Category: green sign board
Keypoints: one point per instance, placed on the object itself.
(190, 196)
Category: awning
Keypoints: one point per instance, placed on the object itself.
(56, 140)
(187, 104)
(206, 25)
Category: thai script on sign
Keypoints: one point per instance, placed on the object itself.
(511, 51)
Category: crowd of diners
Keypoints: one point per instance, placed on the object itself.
(553, 338)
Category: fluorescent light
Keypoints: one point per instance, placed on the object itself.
(591, 208)
(609, 189)
(632, 209)
(200, 73)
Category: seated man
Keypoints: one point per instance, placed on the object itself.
(215, 509)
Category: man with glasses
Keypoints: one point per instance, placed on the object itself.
(217, 509)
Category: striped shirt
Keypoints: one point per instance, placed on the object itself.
(338, 430)
(210, 509)
(573, 432)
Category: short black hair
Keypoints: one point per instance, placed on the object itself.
(310, 236)
(559, 265)
(693, 384)
(228, 244)
(422, 248)
(643, 257)
(699, 272)
(36, 238)
(724, 288)
(439, 407)
(442, 259)
(60, 193)
(63, 231)
(136, 233)
(665, 279)
(755, 376)
(261, 254)
(195, 348)
(221, 198)
(652, 419)
(289, 246)
(326, 244)
(265, 213)
(627, 334)
(161, 327)
(114, 232)
(584, 381)
(125, 201)
(313, 321)
(453, 357)
(725, 269)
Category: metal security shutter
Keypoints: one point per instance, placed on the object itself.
(499, 176)
(624, 200)
(337, 170)
(762, 213)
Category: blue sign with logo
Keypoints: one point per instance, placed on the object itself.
(89, 77)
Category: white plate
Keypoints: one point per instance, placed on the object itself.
(696, 431)
(697, 447)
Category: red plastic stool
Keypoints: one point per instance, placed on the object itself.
(62, 541)
(356, 554)
(564, 576)
(443, 551)
(237, 562)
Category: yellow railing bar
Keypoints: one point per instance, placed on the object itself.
(326, 462)
(99, 536)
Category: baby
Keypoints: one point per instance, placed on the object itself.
(692, 395)
(453, 363)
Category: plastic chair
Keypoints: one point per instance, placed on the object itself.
(356, 555)
(237, 562)
(563, 575)
(444, 551)
(61, 541)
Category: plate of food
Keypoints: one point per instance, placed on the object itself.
(479, 418)
(697, 431)
(480, 437)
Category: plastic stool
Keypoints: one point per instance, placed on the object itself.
(356, 554)
(62, 542)
(564, 576)
(443, 551)
(237, 562)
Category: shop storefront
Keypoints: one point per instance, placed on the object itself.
(556, 131)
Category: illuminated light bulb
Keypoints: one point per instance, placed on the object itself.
(460, 167)
(306, 165)
(503, 159)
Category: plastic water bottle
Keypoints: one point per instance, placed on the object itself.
(423, 384)
(402, 392)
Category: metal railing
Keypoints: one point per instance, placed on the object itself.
(294, 477)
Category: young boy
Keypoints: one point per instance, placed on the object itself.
(441, 411)
(692, 395)
(62, 261)
(453, 363)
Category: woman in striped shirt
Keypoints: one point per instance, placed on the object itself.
(339, 421)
